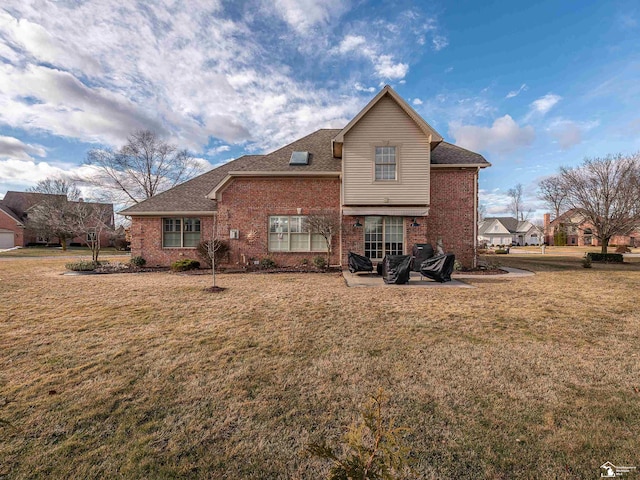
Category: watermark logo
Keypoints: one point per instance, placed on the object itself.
(609, 470)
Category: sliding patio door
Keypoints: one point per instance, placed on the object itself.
(383, 236)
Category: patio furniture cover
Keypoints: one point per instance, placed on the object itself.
(358, 263)
(438, 268)
(395, 269)
(420, 252)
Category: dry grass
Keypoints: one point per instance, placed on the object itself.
(147, 376)
(81, 252)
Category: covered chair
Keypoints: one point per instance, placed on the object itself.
(438, 268)
(396, 269)
(358, 263)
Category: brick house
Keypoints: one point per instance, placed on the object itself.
(14, 213)
(573, 228)
(388, 177)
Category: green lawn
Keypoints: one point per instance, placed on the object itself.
(147, 376)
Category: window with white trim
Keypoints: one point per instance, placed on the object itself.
(385, 163)
(383, 236)
(180, 232)
(289, 234)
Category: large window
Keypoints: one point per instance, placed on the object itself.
(289, 234)
(383, 236)
(386, 163)
(180, 232)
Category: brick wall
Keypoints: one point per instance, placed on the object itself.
(451, 215)
(146, 241)
(247, 204)
(8, 223)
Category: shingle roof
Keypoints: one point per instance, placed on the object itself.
(448, 154)
(20, 202)
(10, 213)
(510, 223)
(191, 196)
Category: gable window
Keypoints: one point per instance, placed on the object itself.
(385, 163)
(289, 234)
(180, 232)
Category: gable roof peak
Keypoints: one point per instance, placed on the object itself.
(390, 92)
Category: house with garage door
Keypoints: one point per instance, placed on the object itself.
(15, 208)
(388, 177)
(508, 231)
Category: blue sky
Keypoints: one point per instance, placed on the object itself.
(530, 85)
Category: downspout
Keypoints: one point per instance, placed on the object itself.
(475, 218)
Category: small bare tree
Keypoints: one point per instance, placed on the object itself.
(53, 215)
(212, 251)
(605, 192)
(515, 201)
(326, 224)
(553, 194)
(91, 220)
(143, 167)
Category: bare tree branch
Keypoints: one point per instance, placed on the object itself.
(142, 168)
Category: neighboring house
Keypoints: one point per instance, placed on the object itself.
(14, 214)
(388, 177)
(508, 231)
(573, 228)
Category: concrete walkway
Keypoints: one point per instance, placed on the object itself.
(373, 280)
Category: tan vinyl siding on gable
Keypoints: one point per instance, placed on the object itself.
(386, 124)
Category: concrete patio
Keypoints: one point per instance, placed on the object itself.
(373, 280)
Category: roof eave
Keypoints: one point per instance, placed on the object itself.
(166, 213)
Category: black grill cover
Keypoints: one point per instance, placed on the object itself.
(358, 263)
(421, 252)
(438, 268)
(395, 269)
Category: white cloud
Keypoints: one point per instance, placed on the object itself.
(361, 88)
(515, 93)
(386, 68)
(569, 133)
(543, 104)
(504, 136)
(417, 101)
(303, 15)
(218, 149)
(351, 43)
(14, 148)
(439, 42)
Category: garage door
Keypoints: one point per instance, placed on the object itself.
(6, 239)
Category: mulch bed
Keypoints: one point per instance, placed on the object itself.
(481, 271)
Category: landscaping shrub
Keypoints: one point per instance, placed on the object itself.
(501, 251)
(221, 248)
(267, 263)
(457, 266)
(82, 266)
(606, 257)
(319, 261)
(623, 249)
(184, 265)
(137, 261)
(586, 261)
(121, 244)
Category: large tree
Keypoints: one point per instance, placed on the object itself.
(606, 192)
(143, 167)
(53, 216)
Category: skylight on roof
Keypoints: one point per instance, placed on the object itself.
(299, 158)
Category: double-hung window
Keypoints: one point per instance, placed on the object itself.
(290, 234)
(385, 163)
(180, 232)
